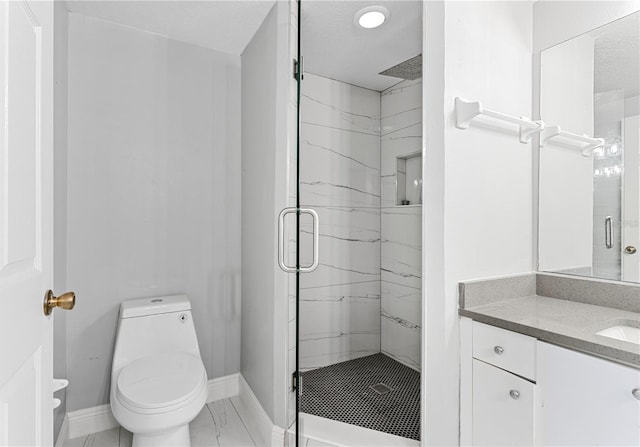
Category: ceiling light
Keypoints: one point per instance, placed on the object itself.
(371, 17)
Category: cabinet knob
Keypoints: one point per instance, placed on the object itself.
(514, 394)
(636, 393)
(498, 350)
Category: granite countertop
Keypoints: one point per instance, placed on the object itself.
(562, 322)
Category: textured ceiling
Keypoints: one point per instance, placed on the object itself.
(335, 47)
(617, 56)
(226, 26)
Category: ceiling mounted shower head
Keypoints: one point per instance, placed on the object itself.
(410, 69)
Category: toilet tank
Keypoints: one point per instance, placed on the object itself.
(152, 326)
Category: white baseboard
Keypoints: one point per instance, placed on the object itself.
(95, 419)
(90, 420)
(257, 421)
(224, 387)
(63, 434)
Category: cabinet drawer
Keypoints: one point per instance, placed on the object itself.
(505, 349)
(502, 407)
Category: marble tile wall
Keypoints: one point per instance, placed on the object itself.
(400, 227)
(340, 179)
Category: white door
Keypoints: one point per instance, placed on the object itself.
(26, 223)
(631, 200)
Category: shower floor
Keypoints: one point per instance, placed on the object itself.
(343, 392)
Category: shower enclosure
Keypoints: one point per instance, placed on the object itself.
(358, 249)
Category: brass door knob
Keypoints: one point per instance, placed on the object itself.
(630, 250)
(65, 301)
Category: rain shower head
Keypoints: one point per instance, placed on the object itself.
(410, 69)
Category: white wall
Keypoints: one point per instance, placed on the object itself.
(478, 182)
(153, 192)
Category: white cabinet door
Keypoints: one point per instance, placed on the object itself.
(585, 400)
(26, 229)
(502, 407)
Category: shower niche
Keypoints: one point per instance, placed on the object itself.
(409, 179)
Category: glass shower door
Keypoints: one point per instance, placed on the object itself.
(358, 315)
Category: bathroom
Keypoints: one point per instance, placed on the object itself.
(176, 143)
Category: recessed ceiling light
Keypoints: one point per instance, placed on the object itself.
(371, 16)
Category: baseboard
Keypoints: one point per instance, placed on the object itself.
(258, 423)
(92, 420)
(63, 434)
(224, 387)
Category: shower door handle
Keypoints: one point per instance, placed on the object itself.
(316, 239)
(282, 240)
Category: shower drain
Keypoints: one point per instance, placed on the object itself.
(381, 388)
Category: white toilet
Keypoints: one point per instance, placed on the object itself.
(158, 381)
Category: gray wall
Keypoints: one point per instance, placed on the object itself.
(266, 145)
(153, 193)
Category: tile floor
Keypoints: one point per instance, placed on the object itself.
(218, 424)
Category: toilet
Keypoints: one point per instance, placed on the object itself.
(158, 380)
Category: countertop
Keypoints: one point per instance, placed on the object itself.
(561, 322)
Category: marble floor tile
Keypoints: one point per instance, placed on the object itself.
(217, 425)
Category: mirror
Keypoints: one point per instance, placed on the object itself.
(590, 201)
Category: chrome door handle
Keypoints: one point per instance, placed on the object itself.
(281, 240)
(316, 240)
(630, 250)
(608, 232)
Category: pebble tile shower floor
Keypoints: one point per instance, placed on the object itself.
(342, 392)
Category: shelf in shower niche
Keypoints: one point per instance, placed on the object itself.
(466, 111)
(409, 179)
(584, 143)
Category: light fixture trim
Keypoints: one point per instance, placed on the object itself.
(371, 17)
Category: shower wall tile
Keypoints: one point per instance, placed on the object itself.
(339, 323)
(401, 245)
(339, 167)
(402, 302)
(400, 227)
(343, 347)
(401, 341)
(329, 103)
(349, 246)
(340, 179)
(402, 106)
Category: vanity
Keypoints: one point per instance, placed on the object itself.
(542, 364)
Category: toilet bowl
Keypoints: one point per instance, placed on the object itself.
(158, 380)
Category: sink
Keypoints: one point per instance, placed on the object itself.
(628, 331)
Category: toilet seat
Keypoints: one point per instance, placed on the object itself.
(157, 384)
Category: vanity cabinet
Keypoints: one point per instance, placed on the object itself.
(503, 387)
(527, 392)
(502, 407)
(584, 400)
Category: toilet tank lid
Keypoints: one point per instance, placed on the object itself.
(155, 305)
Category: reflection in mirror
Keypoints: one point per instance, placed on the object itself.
(589, 205)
